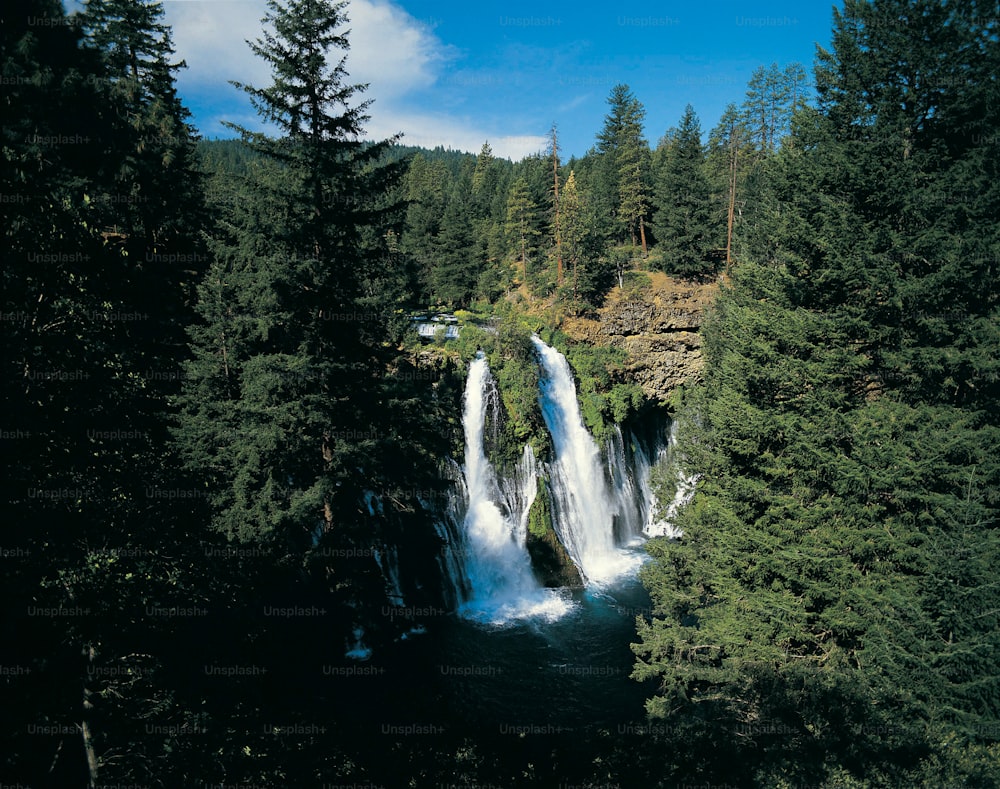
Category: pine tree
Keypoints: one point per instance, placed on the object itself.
(86, 379)
(272, 413)
(484, 176)
(522, 216)
(621, 169)
(574, 224)
(773, 96)
(684, 222)
(487, 193)
(454, 274)
(153, 151)
(725, 168)
(845, 432)
(633, 204)
(151, 208)
(427, 187)
(556, 209)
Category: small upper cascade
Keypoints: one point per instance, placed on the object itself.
(629, 466)
(686, 485)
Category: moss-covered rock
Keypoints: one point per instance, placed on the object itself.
(551, 562)
(515, 368)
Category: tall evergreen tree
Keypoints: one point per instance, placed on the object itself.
(725, 168)
(773, 96)
(556, 210)
(521, 224)
(153, 153)
(633, 206)
(427, 186)
(846, 429)
(484, 177)
(684, 222)
(587, 271)
(272, 413)
(455, 273)
(621, 169)
(487, 233)
(86, 381)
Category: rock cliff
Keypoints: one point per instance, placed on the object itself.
(658, 326)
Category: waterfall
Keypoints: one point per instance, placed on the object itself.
(497, 566)
(684, 492)
(629, 465)
(387, 560)
(449, 529)
(517, 493)
(584, 510)
(603, 504)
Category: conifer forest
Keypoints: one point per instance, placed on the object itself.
(341, 462)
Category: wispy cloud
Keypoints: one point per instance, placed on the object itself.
(211, 38)
(392, 51)
(399, 57)
(574, 103)
(461, 134)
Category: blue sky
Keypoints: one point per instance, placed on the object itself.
(458, 74)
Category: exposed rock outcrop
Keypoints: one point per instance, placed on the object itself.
(658, 326)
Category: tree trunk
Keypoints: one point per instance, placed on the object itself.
(524, 259)
(642, 235)
(555, 189)
(734, 144)
(575, 309)
(88, 739)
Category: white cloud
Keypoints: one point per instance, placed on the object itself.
(389, 49)
(399, 57)
(459, 134)
(574, 103)
(211, 37)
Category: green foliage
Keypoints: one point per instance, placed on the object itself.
(515, 368)
(606, 399)
(575, 215)
(834, 575)
(621, 172)
(540, 513)
(773, 97)
(454, 274)
(95, 295)
(636, 283)
(830, 616)
(277, 355)
(684, 222)
(521, 221)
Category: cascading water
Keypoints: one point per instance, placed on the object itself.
(387, 560)
(584, 510)
(629, 465)
(603, 505)
(497, 566)
(449, 529)
(686, 484)
(517, 492)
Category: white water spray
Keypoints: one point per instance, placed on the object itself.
(686, 485)
(584, 510)
(497, 565)
(629, 466)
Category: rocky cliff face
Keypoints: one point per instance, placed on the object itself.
(658, 326)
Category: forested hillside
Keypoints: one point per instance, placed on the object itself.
(834, 598)
(229, 454)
